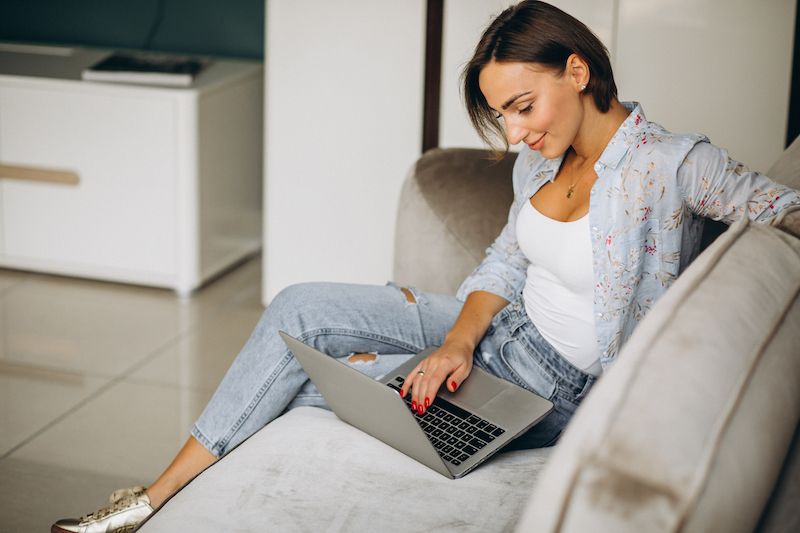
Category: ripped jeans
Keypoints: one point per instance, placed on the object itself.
(391, 323)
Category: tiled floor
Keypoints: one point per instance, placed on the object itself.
(100, 383)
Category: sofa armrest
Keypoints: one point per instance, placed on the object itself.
(453, 204)
(689, 429)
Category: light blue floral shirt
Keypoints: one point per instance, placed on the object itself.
(646, 214)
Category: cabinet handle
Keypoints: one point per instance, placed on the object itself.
(64, 177)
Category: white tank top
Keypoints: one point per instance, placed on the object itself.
(559, 288)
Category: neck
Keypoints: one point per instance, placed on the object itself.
(596, 131)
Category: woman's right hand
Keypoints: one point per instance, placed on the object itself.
(450, 363)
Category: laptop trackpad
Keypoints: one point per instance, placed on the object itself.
(498, 407)
(475, 393)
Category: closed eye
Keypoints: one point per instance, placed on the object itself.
(524, 111)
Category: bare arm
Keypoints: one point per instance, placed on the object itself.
(475, 318)
(452, 362)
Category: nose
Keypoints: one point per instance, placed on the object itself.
(515, 132)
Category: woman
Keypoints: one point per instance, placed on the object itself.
(607, 213)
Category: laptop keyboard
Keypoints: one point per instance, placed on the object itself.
(456, 433)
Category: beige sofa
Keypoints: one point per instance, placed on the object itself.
(694, 428)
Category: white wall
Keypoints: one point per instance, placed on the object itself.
(720, 67)
(343, 124)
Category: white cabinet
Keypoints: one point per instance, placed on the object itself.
(168, 188)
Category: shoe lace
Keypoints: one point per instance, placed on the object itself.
(120, 504)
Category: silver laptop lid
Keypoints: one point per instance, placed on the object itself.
(366, 404)
(388, 418)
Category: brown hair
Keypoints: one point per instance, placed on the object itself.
(535, 32)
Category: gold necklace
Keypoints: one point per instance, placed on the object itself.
(572, 187)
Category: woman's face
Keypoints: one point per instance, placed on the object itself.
(537, 107)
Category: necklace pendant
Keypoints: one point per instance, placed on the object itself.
(569, 193)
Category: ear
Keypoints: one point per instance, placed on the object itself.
(578, 71)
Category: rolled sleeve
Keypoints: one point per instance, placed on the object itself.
(715, 186)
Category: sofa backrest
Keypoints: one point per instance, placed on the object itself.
(786, 169)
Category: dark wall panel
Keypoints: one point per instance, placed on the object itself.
(793, 128)
(232, 28)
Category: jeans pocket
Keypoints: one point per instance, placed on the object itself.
(590, 381)
(526, 370)
(571, 400)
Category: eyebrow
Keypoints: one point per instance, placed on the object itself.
(514, 98)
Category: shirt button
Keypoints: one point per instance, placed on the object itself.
(598, 167)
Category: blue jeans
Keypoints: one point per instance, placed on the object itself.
(265, 380)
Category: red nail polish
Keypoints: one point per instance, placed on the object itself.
(453, 385)
(413, 405)
(427, 403)
(419, 409)
(402, 393)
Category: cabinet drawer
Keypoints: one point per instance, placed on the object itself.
(121, 214)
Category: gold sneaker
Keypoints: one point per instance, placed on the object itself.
(126, 510)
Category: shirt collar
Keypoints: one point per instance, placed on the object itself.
(617, 147)
(621, 141)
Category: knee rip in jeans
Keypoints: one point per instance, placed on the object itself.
(409, 295)
(361, 358)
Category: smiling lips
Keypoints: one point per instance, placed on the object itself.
(538, 144)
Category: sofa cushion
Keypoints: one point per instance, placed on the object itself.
(308, 471)
(689, 430)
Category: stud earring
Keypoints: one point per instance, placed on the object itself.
(583, 87)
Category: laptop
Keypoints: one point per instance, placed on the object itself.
(458, 431)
